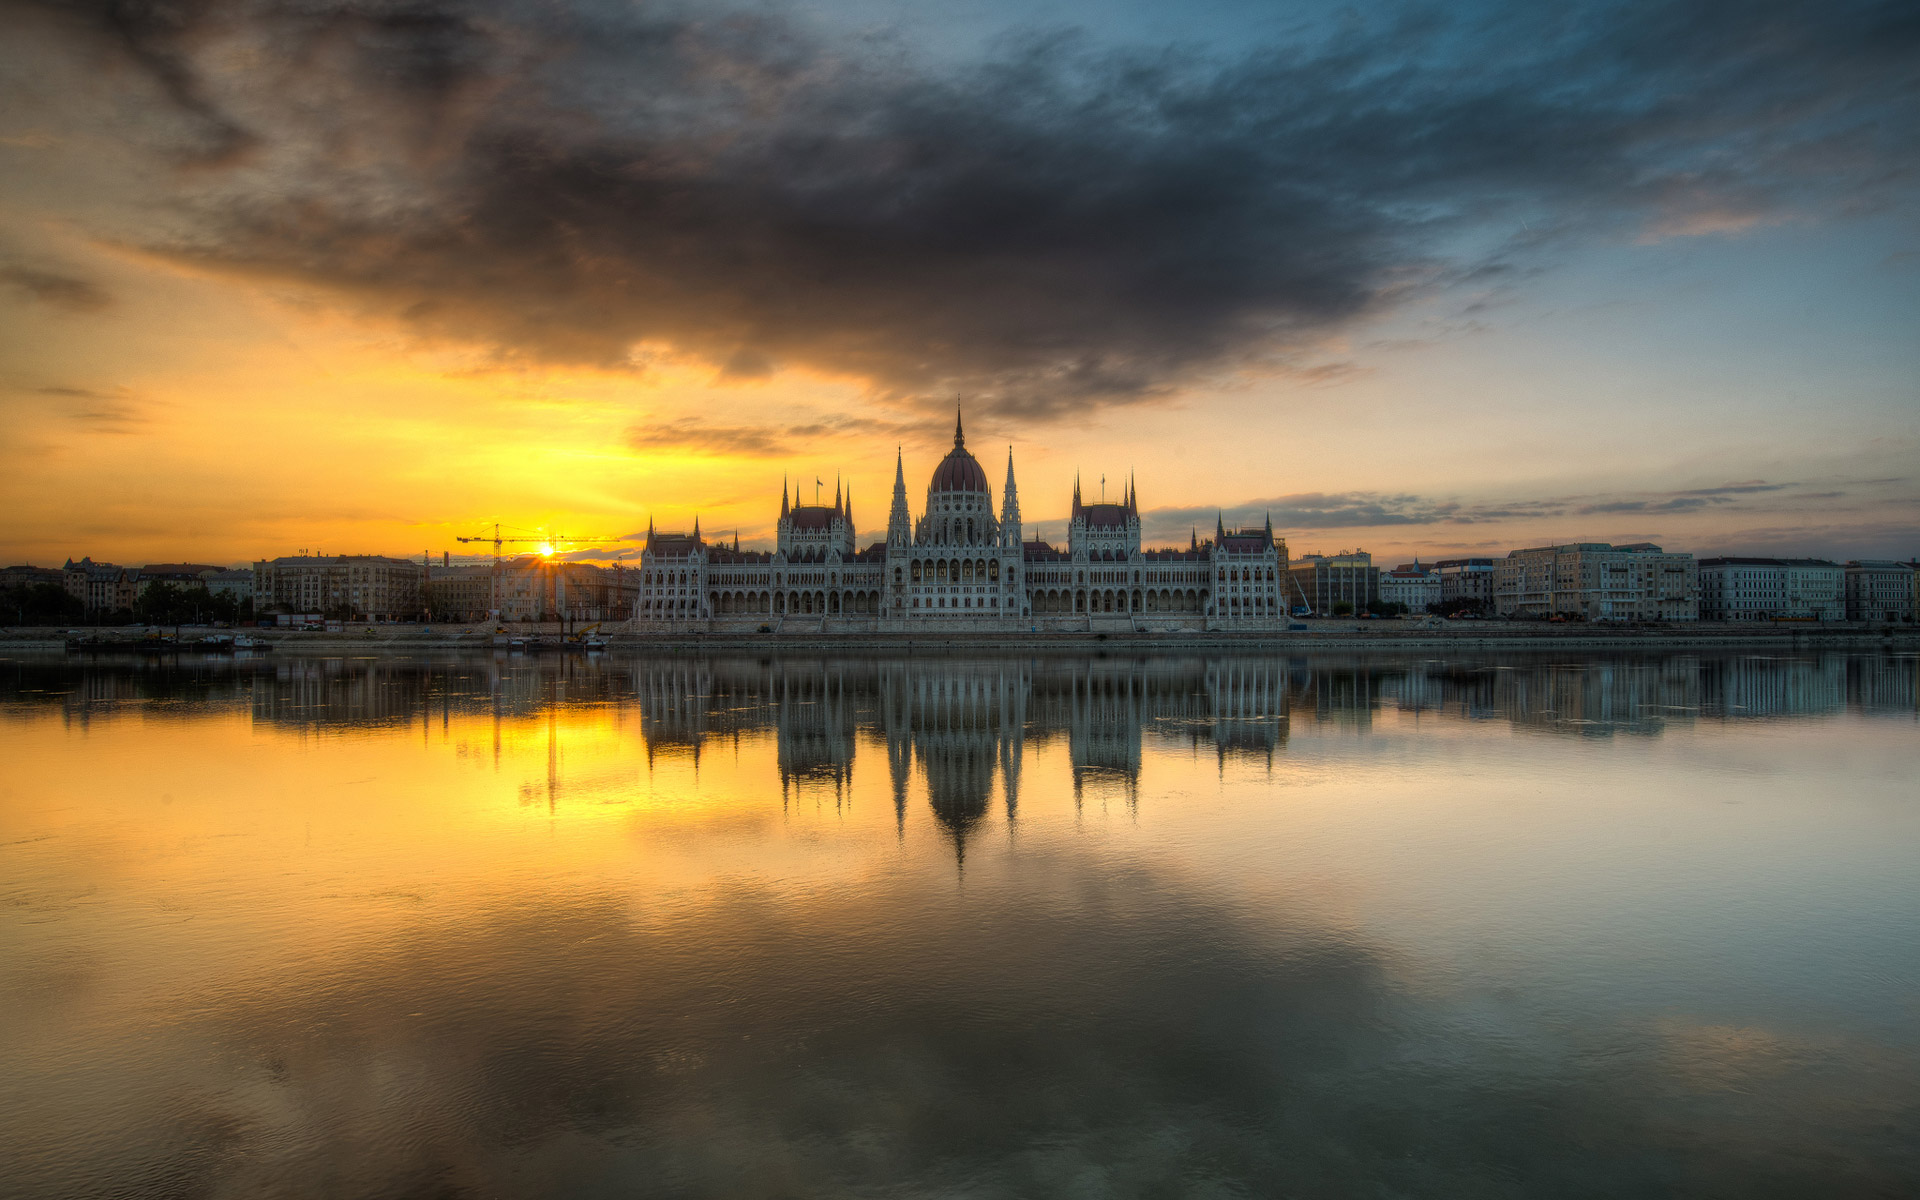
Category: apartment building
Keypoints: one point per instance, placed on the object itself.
(1410, 585)
(1597, 581)
(1879, 590)
(101, 587)
(1463, 580)
(459, 593)
(364, 586)
(1322, 581)
(1764, 589)
(31, 576)
(236, 583)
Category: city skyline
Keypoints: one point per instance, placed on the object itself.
(1430, 281)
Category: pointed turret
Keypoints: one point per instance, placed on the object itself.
(696, 529)
(649, 531)
(1193, 538)
(783, 496)
(899, 519)
(1076, 493)
(1219, 528)
(836, 493)
(1010, 507)
(959, 437)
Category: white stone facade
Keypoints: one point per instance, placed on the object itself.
(1410, 585)
(960, 566)
(1768, 589)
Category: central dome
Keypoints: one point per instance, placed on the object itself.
(959, 471)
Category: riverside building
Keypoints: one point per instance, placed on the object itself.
(1326, 584)
(1411, 586)
(1879, 590)
(1466, 582)
(1764, 589)
(963, 564)
(1596, 581)
(363, 586)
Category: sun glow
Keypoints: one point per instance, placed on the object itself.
(546, 549)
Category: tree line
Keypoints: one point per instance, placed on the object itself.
(157, 604)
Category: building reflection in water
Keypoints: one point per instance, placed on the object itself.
(962, 725)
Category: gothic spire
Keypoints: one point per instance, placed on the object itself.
(783, 496)
(696, 528)
(899, 519)
(1076, 493)
(836, 493)
(1010, 507)
(959, 438)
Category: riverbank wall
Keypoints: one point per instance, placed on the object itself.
(1318, 636)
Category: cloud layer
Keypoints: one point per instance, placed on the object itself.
(1060, 224)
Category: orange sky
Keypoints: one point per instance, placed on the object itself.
(1705, 370)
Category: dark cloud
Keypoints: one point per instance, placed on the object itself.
(1674, 504)
(605, 554)
(112, 411)
(1059, 225)
(55, 289)
(1738, 489)
(1314, 511)
(700, 436)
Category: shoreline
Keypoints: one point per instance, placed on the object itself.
(1340, 636)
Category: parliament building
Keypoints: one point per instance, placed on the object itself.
(959, 568)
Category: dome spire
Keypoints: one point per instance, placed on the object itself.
(959, 437)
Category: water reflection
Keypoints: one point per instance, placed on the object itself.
(735, 926)
(1237, 706)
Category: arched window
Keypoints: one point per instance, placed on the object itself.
(993, 570)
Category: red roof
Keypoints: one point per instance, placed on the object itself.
(811, 516)
(1105, 516)
(959, 471)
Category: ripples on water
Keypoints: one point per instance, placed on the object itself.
(500, 926)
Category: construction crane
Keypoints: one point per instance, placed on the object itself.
(548, 540)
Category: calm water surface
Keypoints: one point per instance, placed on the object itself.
(510, 926)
